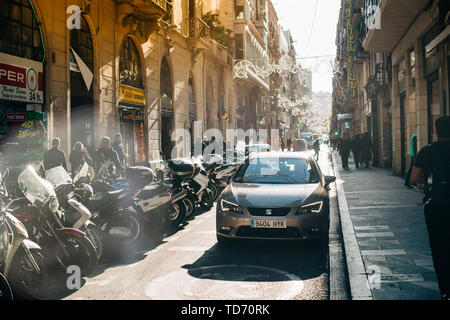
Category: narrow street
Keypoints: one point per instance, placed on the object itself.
(189, 265)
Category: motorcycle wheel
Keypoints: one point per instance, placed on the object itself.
(190, 207)
(206, 201)
(5, 290)
(26, 279)
(177, 216)
(94, 235)
(81, 251)
(214, 190)
(125, 228)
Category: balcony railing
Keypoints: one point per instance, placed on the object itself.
(199, 29)
(160, 3)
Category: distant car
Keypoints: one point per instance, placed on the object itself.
(308, 137)
(301, 145)
(275, 195)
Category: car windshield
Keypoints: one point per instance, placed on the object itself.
(277, 171)
(307, 137)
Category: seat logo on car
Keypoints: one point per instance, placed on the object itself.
(268, 212)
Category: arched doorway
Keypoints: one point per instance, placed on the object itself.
(81, 86)
(132, 103)
(166, 92)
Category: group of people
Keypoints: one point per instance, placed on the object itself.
(108, 151)
(360, 146)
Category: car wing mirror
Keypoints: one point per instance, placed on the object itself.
(329, 180)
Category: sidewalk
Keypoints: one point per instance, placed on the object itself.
(385, 236)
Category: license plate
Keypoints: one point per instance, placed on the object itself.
(270, 224)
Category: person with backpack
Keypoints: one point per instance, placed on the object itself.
(432, 167)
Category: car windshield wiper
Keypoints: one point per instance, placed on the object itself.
(273, 175)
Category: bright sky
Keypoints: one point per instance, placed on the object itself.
(314, 36)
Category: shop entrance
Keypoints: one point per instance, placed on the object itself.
(133, 134)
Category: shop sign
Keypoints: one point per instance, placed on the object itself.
(16, 116)
(21, 79)
(131, 95)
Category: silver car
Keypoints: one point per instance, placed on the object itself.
(275, 195)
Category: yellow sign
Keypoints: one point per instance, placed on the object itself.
(131, 95)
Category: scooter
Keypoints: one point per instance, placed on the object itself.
(70, 194)
(39, 212)
(21, 260)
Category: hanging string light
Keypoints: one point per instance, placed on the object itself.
(285, 64)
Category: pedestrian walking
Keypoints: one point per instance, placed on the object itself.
(356, 145)
(366, 148)
(78, 157)
(118, 147)
(55, 157)
(316, 148)
(432, 167)
(282, 144)
(412, 154)
(344, 150)
(289, 144)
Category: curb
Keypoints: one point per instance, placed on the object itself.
(359, 282)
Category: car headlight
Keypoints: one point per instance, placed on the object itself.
(315, 207)
(227, 206)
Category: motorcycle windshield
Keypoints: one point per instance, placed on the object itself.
(82, 173)
(58, 176)
(37, 190)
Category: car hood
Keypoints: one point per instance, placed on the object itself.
(270, 195)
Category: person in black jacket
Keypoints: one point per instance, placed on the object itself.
(106, 153)
(433, 161)
(79, 156)
(344, 150)
(117, 146)
(366, 148)
(356, 144)
(55, 156)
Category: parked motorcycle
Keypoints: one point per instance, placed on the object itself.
(21, 260)
(71, 195)
(110, 208)
(39, 212)
(178, 200)
(191, 175)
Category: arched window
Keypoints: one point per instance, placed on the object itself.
(81, 42)
(130, 72)
(166, 79)
(20, 33)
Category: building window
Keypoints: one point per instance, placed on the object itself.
(192, 105)
(130, 73)
(20, 32)
(81, 42)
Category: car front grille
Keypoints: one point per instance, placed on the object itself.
(262, 212)
(288, 233)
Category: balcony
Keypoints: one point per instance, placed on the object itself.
(199, 34)
(148, 8)
(387, 21)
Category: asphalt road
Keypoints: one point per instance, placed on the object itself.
(189, 265)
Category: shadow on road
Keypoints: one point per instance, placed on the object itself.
(306, 260)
